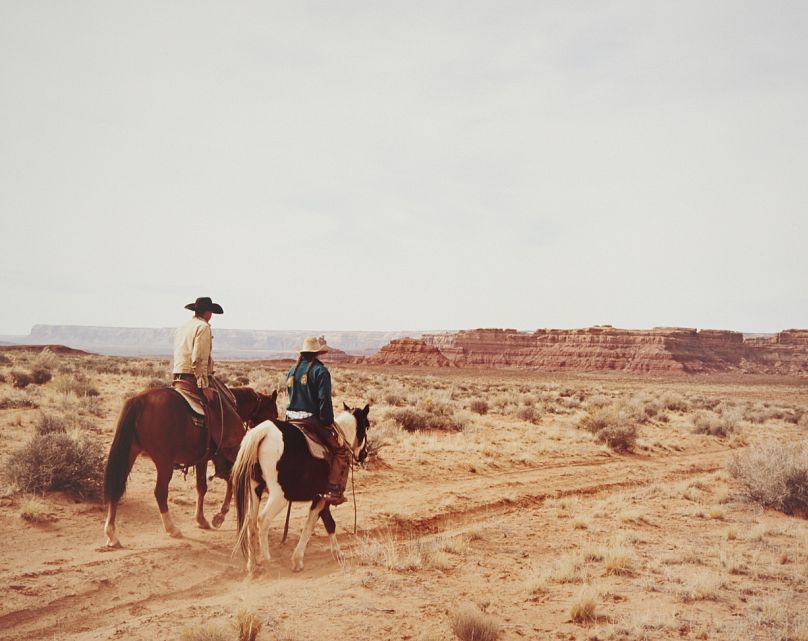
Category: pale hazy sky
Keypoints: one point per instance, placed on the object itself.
(408, 165)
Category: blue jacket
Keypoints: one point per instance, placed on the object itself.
(315, 395)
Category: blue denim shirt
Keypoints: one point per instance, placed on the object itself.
(315, 395)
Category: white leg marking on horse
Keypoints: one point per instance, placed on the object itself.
(169, 526)
(308, 528)
(109, 531)
(336, 552)
(274, 504)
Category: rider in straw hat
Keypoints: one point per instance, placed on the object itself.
(309, 386)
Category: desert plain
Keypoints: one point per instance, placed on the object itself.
(496, 504)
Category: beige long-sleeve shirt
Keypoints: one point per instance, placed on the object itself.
(193, 344)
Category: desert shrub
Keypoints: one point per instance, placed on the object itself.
(470, 624)
(613, 425)
(774, 474)
(40, 375)
(49, 423)
(479, 406)
(713, 424)
(20, 379)
(674, 402)
(16, 403)
(4, 360)
(528, 414)
(584, 606)
(46, 359)
(413, 420)
(620, 438)
(156, 383)
(395, 399)
(68, 462)
(77, 384)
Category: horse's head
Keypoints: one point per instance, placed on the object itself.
(362, 423)
(254, 407)
(266, 408)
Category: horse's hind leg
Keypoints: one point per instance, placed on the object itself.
(112, 509)
(275, 503)
(164, 473)
(201, 490)
(305, 535)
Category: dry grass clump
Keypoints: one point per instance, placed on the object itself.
(35, 510)
(412, 554)
(674, 402)
(248, 625)
(774, 474)
(471, 624)
(76, 384)
(20, 378)
(50, 423)
(67, 462)
(9, 403)
(529, 414)
(584, 606)
(479, 406)
(206, 632)
(713, 424)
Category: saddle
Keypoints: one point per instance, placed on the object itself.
(316, 448)
(190, 393)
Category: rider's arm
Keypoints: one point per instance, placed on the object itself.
(326, 409)
(200, 356)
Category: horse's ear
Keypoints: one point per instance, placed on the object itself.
(274, 396)
(345, 405)
(366, 410)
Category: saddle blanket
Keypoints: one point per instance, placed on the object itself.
(316, 449)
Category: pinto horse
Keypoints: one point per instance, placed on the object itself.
(274, 455)
(159, 423)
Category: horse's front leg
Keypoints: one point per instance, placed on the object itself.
(201, 489)
(305, 535)
(218, 519)
(331, 528)
(275, 503)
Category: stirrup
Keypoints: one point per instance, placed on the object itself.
(333, 498)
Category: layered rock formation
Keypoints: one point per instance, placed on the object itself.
(410, 352)
(662, 350)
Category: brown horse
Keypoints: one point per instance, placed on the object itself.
(159, 423)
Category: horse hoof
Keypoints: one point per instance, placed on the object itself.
(203, 524)
(218, 520)
(175, 534)
(114, 545)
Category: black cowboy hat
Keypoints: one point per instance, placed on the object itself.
(204, 304)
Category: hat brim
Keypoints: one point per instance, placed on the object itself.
(214, 307)
(322, 350)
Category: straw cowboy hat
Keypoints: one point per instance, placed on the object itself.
(313, 345)
(204, 304)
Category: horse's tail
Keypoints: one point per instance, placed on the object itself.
(241, 475)
(117, 470)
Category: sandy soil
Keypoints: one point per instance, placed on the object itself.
(518, 521)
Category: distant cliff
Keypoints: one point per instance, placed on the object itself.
(228, 343)
(662, 350)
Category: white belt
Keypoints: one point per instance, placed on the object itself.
(294, 415)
